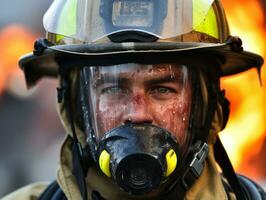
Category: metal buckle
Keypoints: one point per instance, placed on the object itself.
(195, 167)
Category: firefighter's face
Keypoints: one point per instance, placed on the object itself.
(157, 94)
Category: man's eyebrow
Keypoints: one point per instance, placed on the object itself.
(168, 78)
(108, 78)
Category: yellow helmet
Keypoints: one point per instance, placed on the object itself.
(104, 30)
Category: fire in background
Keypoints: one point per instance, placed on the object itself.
(245, 134)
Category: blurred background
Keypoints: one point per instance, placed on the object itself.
(30, 130)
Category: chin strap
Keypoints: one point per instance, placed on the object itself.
(228, 170)
(78, 155)
(81, 160)
(78, 169)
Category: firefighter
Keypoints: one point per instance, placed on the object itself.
(139, 96)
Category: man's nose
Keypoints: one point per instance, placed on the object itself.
(138, 110)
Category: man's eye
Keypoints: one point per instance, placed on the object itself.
(162, 90)
(114, 90)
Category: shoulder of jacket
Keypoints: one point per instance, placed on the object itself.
(29, 192)
(252, 191)
(251, 188)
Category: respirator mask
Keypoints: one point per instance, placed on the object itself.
(137, 121)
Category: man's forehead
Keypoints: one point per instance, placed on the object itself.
(134, 70)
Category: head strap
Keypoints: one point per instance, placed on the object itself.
(79, 170)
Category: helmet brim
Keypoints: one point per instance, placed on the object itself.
(46, 64)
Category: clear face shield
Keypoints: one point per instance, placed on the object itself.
(156, 94)
(140, 117)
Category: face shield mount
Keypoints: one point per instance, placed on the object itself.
(134, 17)
(133, 14)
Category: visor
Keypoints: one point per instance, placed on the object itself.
(89, 20)
(158, 94)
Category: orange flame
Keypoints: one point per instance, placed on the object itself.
(246, 130)
(15, 40)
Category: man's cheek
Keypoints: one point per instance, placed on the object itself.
(109, 118)
(163, 115)
(103, 104)
(174, 119)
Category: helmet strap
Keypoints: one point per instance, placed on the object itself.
(213, 95)
(225, 103)
(78, 155)
(220, 153)
(227, 168)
